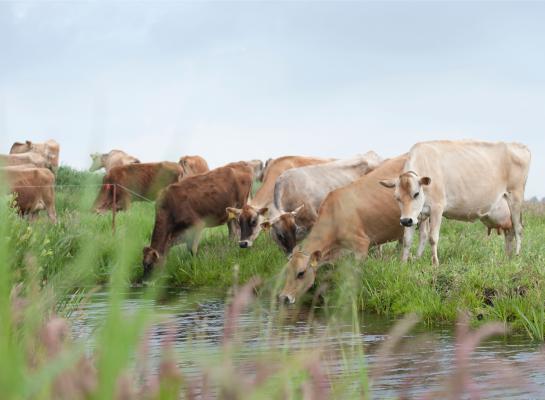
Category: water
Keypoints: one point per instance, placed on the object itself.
(420, 363)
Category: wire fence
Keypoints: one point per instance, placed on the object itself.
(114, 187)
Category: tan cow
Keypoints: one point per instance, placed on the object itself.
(257, 168)
(299, 192)
(193, 165)
(21, 159)
(352, 218)
(252, 215)
(464, 180)
(135, 181)
(114, 158)
(34, 189)
(49, 150)
(185, 208)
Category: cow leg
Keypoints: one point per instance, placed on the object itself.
(361, 248)
(509, 235)
(514, 201)
(194, 237)
(423, 236)
(435, 226)
(407, 241)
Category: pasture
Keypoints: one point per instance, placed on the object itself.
(57, 268)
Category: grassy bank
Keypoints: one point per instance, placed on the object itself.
(474, 273)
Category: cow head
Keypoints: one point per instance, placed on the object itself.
(19, 147)
(151, 258)
(284, 229)
(300, 275)
(410, 195)
(96, 161)
(249, 219)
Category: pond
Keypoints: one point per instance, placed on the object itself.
(507, 366)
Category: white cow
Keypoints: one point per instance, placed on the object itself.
(299, 192)
(464, 180)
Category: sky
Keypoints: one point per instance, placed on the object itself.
(244, 80)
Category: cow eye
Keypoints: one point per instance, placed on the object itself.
(416, 194)
(300, 274)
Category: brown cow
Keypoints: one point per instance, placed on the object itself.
(143, 181)
(251, 216)
(114, 158)
(193, 165)
(185, 208)
(34, 189)
(354, 217)
(49, 149)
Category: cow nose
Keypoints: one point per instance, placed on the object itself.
(243, 244)
(406, 222)
(286, 299)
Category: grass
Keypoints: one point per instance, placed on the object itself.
(42, 263)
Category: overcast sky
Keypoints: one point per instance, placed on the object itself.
(246, 80)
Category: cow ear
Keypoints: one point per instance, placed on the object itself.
(425, 181)
(389, 183)
(315, 258)
(232, 213)
(263, 211)
(297, 210)
(266, 225)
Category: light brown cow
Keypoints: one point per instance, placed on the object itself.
(252, 215)
(257, 167)
(185, 208)
(136, 181)
(49, 149)
(21, 159)
(351, 218)
(299, 192)
(114, 158)
(464, 180)
(34, 189)
(192, 165)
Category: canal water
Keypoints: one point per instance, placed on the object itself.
(423, 360)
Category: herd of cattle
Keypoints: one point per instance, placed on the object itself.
(336, 206)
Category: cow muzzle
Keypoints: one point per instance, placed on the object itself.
(406, 222)
(244, 244)
(286, 298)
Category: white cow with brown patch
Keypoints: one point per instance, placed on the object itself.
(464, 180)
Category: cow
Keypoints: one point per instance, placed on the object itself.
(34, 190)
(251, 215)
(257, 168)
(192, 165)
(185, 208)
(464, 180)
(49, 149)
(264, 169)
(351, 218)
(299, 192)
(138, 181)
(114, 158)
(21, 159)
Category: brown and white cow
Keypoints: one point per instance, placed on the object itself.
(185, 208)
(252, 215)
(113, 158)
(135, 181)
(193, 165)
(49, 150)
(352, 218)
(299, 192)
(464, 180)
(24, 159)
(34, 189)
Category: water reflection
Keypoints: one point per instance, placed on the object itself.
(420, 362)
